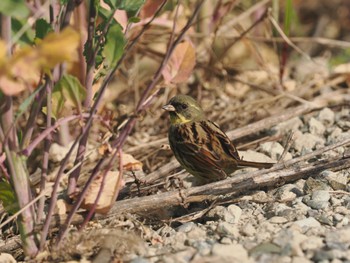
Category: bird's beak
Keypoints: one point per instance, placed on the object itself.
(168, 107)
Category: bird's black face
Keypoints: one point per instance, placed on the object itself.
(183, 109)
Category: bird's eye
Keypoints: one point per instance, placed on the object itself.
(183, 106)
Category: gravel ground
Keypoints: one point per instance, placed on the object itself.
(307, 221)
(304, 221)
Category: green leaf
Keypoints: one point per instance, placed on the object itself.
(67, 93)
(24, 106)
(114, 47)
(42, 28)
(8, 198)
(134, 19)
(14, 8)
(127, 5)
(288, 17)
(130, 5)
(111, 3)
(26, 37)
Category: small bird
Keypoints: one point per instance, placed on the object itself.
(199, 145)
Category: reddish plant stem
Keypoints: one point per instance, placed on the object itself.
(47, 145)
(98, 100)
(27, 151)
(19, 177)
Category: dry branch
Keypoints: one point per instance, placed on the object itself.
(232, 186)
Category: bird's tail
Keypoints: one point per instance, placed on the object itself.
(243, 163)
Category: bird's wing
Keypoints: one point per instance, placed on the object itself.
(196, 155)
(220, 139)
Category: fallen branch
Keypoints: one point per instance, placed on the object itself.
(232, 186)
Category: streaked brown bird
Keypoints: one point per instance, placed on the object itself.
(199, 145)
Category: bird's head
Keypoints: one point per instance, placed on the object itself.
(183, 109)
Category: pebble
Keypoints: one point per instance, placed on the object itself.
(312, 243)
(307, 141)
(274, 150)
(232, 214)
(278, 220)
(187, 227)
(326, 116)
(248, 230)
(287, 192)
(319, 199)
(227, 229)
(307, 223)
(217, 212)
(203, 247)
(233, 252)
(290, 125)
(337, 180)
(316, 127)
(339, 239)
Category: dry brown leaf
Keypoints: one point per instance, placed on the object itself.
(108, 195)
(149, 8)
(181, 63)
(130, 163)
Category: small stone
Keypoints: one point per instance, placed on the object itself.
(139, 260)
(335, 201)
(290, 240)
(342, 210)
(317, 204)
(248, 230)
(307, 223)
(290, 125)
(176, 241)
(307, 141)
(327, 117)
(321, 196)
(254, 156)
(300, 260)
(312, 243)
(337, 180)
(260, 196)
(265, 248)
(234, 252)
(323, 256)
(274, 150)
(325, 220)
(227, 229)
(226, 241)
(316, 127)
(232, 214)
(319, 199)
(203, 247)
(7, 258)
(287, 192)
(217, 212)
(312, 185)
(196, 233)
(300, 206)
(339, 239)
(187, 227)
(278, 220)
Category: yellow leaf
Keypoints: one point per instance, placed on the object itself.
(58, 48)
(3, 57)
(23, 69)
